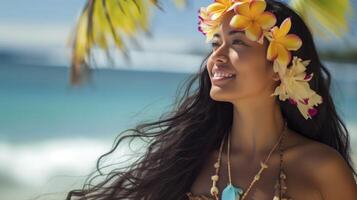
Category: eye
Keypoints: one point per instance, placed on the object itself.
(214, 44)
(239, 42)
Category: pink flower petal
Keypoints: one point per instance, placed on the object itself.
(292, 101)
(308, 77)
(312, 112)
(305, 101)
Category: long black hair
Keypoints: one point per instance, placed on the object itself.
(180, 140)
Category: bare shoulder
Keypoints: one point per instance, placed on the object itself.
(312, 154)
(320, 166)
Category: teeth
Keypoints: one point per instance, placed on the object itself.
(221, 74)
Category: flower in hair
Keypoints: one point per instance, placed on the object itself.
(207, 26)
(294, 86)
(210, 17)
(218, 8)
(281, 43)
(251, 17)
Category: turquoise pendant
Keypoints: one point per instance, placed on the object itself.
(232, 193)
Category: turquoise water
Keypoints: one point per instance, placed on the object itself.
(50, 133)
(37, 102)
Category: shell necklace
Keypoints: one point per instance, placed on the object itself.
(232, 192)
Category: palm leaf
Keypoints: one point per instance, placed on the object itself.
(102, 22)
(326, 18)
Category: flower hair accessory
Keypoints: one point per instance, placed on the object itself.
(250, 16)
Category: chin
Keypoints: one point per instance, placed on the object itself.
(220, 96)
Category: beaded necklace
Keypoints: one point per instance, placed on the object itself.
(232, 192)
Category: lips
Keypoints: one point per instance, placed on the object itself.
(221, 80)
(223, 75)
(221, 68)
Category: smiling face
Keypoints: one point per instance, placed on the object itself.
(234, 53)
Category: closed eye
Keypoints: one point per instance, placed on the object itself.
(235, 42)
(214, 44)
(239, 42)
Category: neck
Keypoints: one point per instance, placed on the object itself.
(256, 128)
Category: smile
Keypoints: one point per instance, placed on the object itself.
(221, 80)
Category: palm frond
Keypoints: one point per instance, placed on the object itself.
(325, 17)
(101, 23)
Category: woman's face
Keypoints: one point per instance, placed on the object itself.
(234, 53)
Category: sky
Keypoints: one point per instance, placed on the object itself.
(42, 27)
(63, 14)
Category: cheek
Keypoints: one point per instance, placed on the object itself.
(254, 73)
(209, 65)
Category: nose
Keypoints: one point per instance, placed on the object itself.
(221, 59)
(220, 55)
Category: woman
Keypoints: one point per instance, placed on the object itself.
(245, 136)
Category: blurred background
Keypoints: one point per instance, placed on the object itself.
(52, 134)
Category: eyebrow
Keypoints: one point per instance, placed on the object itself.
(230, 33)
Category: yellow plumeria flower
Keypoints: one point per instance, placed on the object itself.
(211, 17)
(281, 43)
(218, 8)
(251, 17)
(206, 25)
(295, 87)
